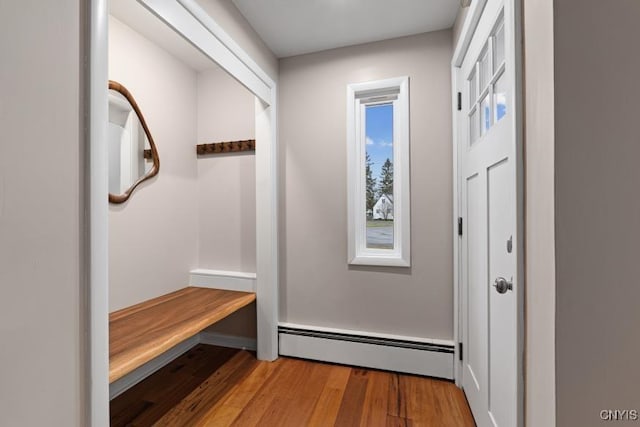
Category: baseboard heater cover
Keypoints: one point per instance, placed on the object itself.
(391, 354)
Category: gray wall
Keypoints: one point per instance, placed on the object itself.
(226, 183)
(597, 147)
(539, 214)
(41, 200)
(317, 285)
(227, 188)
(153, 237)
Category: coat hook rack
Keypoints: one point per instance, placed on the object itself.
(226, 147)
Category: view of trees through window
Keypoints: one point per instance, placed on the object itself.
(379, 176)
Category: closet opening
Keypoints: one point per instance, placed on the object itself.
(189, 153)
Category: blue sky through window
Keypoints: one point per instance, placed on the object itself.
(379, 133)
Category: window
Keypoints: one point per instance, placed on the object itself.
(487, 94)
(378, 172)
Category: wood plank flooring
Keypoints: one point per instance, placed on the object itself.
(215, 386)
(139, 333)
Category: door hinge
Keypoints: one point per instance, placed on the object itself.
(460, 351)
(459, 101)
(459, 226)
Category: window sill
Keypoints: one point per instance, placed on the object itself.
(380, 260)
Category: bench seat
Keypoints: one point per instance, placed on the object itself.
(139, 333)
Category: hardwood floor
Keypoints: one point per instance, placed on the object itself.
(215, 386)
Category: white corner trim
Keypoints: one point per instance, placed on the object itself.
(95, 206)
(267, 228)
(230, 341)
(370, 351)
(134, 377)
(221, 279)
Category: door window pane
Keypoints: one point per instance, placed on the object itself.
(498, 48)
(485, 115)
(485, 69)
(379, 176)
(473, 87)
(500, 97)
(473, 126)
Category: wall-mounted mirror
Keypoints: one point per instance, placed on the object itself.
(133, 156)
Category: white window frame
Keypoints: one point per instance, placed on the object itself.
(359, 96)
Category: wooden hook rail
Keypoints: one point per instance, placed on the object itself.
(226, 147)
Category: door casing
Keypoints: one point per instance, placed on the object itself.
(513, 53)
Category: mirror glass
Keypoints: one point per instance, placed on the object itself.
(133, 157)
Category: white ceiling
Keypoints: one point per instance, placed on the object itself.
(137, 17)
(294, 27)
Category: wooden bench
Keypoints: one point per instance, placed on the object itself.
(140, 333)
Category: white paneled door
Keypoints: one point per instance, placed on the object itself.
(488, 206)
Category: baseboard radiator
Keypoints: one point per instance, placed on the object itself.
(434, 359)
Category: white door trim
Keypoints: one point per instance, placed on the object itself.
(97, 329)
(200, 29)
(466, 34)
(514, 56)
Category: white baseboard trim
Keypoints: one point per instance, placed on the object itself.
(432, 358)
(231, 341)
(123, 384)
(221, 279)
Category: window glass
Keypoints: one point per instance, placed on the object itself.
(379, 176)
(485, 69)
(473, 87)
(498, 48)
(473, 126)
(485, 115)
(500, 97)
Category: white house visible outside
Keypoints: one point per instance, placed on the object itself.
(383, 209)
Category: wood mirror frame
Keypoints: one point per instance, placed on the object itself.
(121, 198)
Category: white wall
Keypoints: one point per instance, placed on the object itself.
(227, 182)
(539, 214)
(154, 236)
(597, 147)
(317, 285)
(42, 282)
(227, 188)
